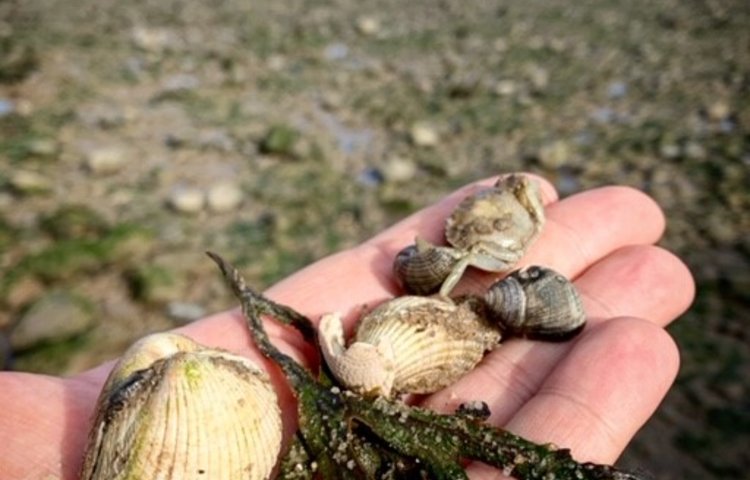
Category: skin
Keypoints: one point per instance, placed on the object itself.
(591, 394)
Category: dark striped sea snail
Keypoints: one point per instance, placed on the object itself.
(536, 302)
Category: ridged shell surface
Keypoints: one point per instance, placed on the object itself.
(537, 302)
(172, 409)
(434, 341)
(422, 268)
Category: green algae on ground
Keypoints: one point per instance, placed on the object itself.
(70, 257)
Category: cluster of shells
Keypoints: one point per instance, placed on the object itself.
(174, 409)
(426, 340)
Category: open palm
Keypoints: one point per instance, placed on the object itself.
(591, 394)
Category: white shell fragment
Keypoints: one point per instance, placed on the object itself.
(409, 344)
(172, 409)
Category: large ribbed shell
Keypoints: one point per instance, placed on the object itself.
(537, 302)
(172, 409)
(501, 221)
(433, 341)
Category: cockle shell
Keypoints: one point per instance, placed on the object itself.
(536, 302)
(172, 409)
(408, 344)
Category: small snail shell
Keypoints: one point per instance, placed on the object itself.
(174, 409)
(408, 344)
(536, 302)
(422, 268)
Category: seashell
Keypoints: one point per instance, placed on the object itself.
(493, 228)
(408, 344)
(174, 409)
(536, 302)
(421, 268)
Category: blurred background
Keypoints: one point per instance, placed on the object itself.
(135, 135)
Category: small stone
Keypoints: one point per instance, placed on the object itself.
(669, 150)
(154, 40)
(6, 107)
(187, 200)
(718, 111)
(397, 169)
(224, 197)
(505, 88)
(105, 160)
(55, 316)
(185, 312)
(28, 182)
(216, 139)
(23, 292)
(179, 83)
(336, 51)
(500, 45)
(24, 107)
(367, 25)
(370, 177)
(554, 155)
(276, 62)
(617, 90)
(695, 151)
(538, 77)
(424, 135)
(42, 147)
(604, 115)
(101, 115)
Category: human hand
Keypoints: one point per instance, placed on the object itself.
(591, 394)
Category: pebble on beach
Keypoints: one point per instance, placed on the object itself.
(105, 160)
(424, 135)
(188, 200)
(223, 197)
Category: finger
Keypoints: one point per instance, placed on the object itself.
(516, 369)
(639, 281)
(45, 421)
(601, 393)
(583, 228)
